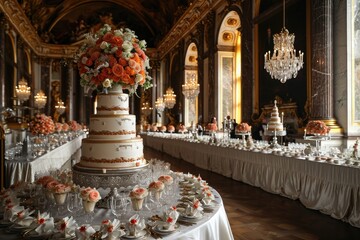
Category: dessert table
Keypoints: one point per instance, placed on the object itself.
(23, 169)
(330, 187)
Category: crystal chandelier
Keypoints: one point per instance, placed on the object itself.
(159, 104)
(191, 88)
(146, 109)
(40, 99)
(284, 64)
(22, 90)
(60, 108)
(169, 98)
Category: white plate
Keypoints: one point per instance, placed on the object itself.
(199, 216)
(34, 235)
(159, 228)
(141, 234)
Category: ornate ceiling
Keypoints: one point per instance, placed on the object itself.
(54, 28)
(65, 21)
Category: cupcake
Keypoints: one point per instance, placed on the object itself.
(156, 188)
(137, 196)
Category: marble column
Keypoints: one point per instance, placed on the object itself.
(322, 107)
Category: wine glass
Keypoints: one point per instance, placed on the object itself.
(74, 203)
(118, 204)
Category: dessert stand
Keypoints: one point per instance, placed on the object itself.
(318, 138)
(110, 178)
(243, 138)
(274, 144)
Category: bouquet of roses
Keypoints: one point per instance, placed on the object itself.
(113, 57)
(42, 124)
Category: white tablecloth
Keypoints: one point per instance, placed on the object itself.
(329, 188)
(55, 159)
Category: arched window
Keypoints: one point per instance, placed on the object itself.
(191, 76)
(228, 68)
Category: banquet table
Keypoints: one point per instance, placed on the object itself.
(24, 169)
(333, 189)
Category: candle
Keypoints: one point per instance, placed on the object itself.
(304, 133)
(282, 117)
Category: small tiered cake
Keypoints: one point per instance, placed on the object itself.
(274, 123)
(112, 141)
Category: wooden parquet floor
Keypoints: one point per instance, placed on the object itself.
(258, 215)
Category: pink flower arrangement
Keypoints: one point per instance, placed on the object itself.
(211, 127)
(243, 128)
(182, 128)
(58, 127)
(113, 57)
(166, 179)
(41, 124)
(171, 128)
(61, 188)
(44, 180)
(90, 194)
(317, 127)
(74, 126)
(156, 186)
(138, 193)
(65, 127)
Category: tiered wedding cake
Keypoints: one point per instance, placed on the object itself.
(274, 123)
(112, 141)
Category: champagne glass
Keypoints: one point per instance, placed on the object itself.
(118, 204)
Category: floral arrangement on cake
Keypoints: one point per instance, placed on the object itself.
(113, 57)
(243, 128)
(317, 127)
(41, 124)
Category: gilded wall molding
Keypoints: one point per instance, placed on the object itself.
(186, 23)
(17, 18)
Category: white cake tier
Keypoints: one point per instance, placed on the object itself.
(275, 126)
(274, 114)
(274, 120)
(112, 103)
(112, 153)
(112, 127)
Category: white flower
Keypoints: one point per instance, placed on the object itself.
(104, 45)
(107, 83)
(84, 60)
(138, 78)
(127, 46)
(142, 44)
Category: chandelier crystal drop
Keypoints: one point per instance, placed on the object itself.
(60, 108)
(40, 99)
(160, 104)
(169, 98)
(283, 64)
(191, 88)
(22, 90)
(146, 108)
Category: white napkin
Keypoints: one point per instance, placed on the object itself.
(135, 224)
(22, 217)
(67, 226)
(111, 230)
(194, 209)
(44, 223)
(170, 218)
(207, 197)
(84, 232)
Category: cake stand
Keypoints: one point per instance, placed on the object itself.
(318, 139)
(243, 134)
(275, 134)
(110, 178)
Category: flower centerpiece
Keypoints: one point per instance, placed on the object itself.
(113, 57)
(41, 124)
(90, 196)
